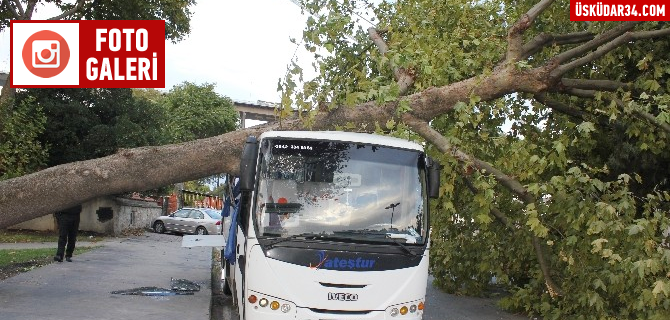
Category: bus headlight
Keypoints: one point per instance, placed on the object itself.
(285, 308)
(263, 303)
(269, 305)
(402, 309)
(394, 312)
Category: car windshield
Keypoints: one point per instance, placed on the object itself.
(214, 214)
(340, 190)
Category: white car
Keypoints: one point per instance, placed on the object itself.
(189, 220)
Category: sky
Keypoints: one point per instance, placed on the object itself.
(242, 46)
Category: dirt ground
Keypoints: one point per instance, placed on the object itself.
(16, 268)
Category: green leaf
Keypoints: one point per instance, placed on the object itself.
(598, 284)
(598, 245)
(390, 124)
(559, 147)
(661, 287)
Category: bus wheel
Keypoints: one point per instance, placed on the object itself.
(226, 286)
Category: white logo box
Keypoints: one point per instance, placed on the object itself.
(21, 76)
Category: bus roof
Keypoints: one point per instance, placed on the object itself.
(342, 136)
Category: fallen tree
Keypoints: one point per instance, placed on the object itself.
(567, 207)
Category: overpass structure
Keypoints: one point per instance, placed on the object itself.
(259, 110)
(249, 110)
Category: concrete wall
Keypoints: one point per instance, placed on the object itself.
(107, 215)
(44, 223)
(94, 215)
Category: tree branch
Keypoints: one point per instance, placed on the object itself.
(650, 117)
(560, 107)
(598, 85)
(510, 183)
(515, 33)
(30, 8)
(423, 128)
(595, 43)
(405, 79)
(494, 210)
(89, 179)
(604, 49)
(590, 94)
(570, 111)
(646, 116)
(19, 7)
(578, 92)
(552, 287)
(65, 14)
(542, 40)
(13, 10)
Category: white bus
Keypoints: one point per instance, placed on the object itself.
(331, 225)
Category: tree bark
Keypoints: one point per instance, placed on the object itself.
(66, 185)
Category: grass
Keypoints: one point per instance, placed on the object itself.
(27, 236)
(30, 236)
(13, 262)
(10, 256)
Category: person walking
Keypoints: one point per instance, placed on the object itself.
(68, 226)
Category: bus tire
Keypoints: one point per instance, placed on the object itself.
(226, 286)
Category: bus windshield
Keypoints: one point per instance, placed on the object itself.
(340, 190)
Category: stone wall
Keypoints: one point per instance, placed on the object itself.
(135, 214)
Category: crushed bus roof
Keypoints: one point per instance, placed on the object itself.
(342, 136)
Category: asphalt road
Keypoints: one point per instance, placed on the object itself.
(82, 289)
(443, 306)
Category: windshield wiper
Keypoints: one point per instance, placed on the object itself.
(291, 237)
(388, 235)
(408, 238)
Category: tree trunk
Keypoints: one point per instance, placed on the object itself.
(63, 186)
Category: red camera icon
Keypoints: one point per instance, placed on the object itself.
(46, 54)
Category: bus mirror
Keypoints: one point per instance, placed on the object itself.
(248, 164)
(433, 178)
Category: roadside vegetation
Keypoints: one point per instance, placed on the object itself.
(27, 236)
(14, 261)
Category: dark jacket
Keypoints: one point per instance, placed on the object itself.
(69, 214)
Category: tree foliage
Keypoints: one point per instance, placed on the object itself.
(553, 135)
(555, 148)
(84, 124)
(197, 111)
(176, 13)
(20, 151)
